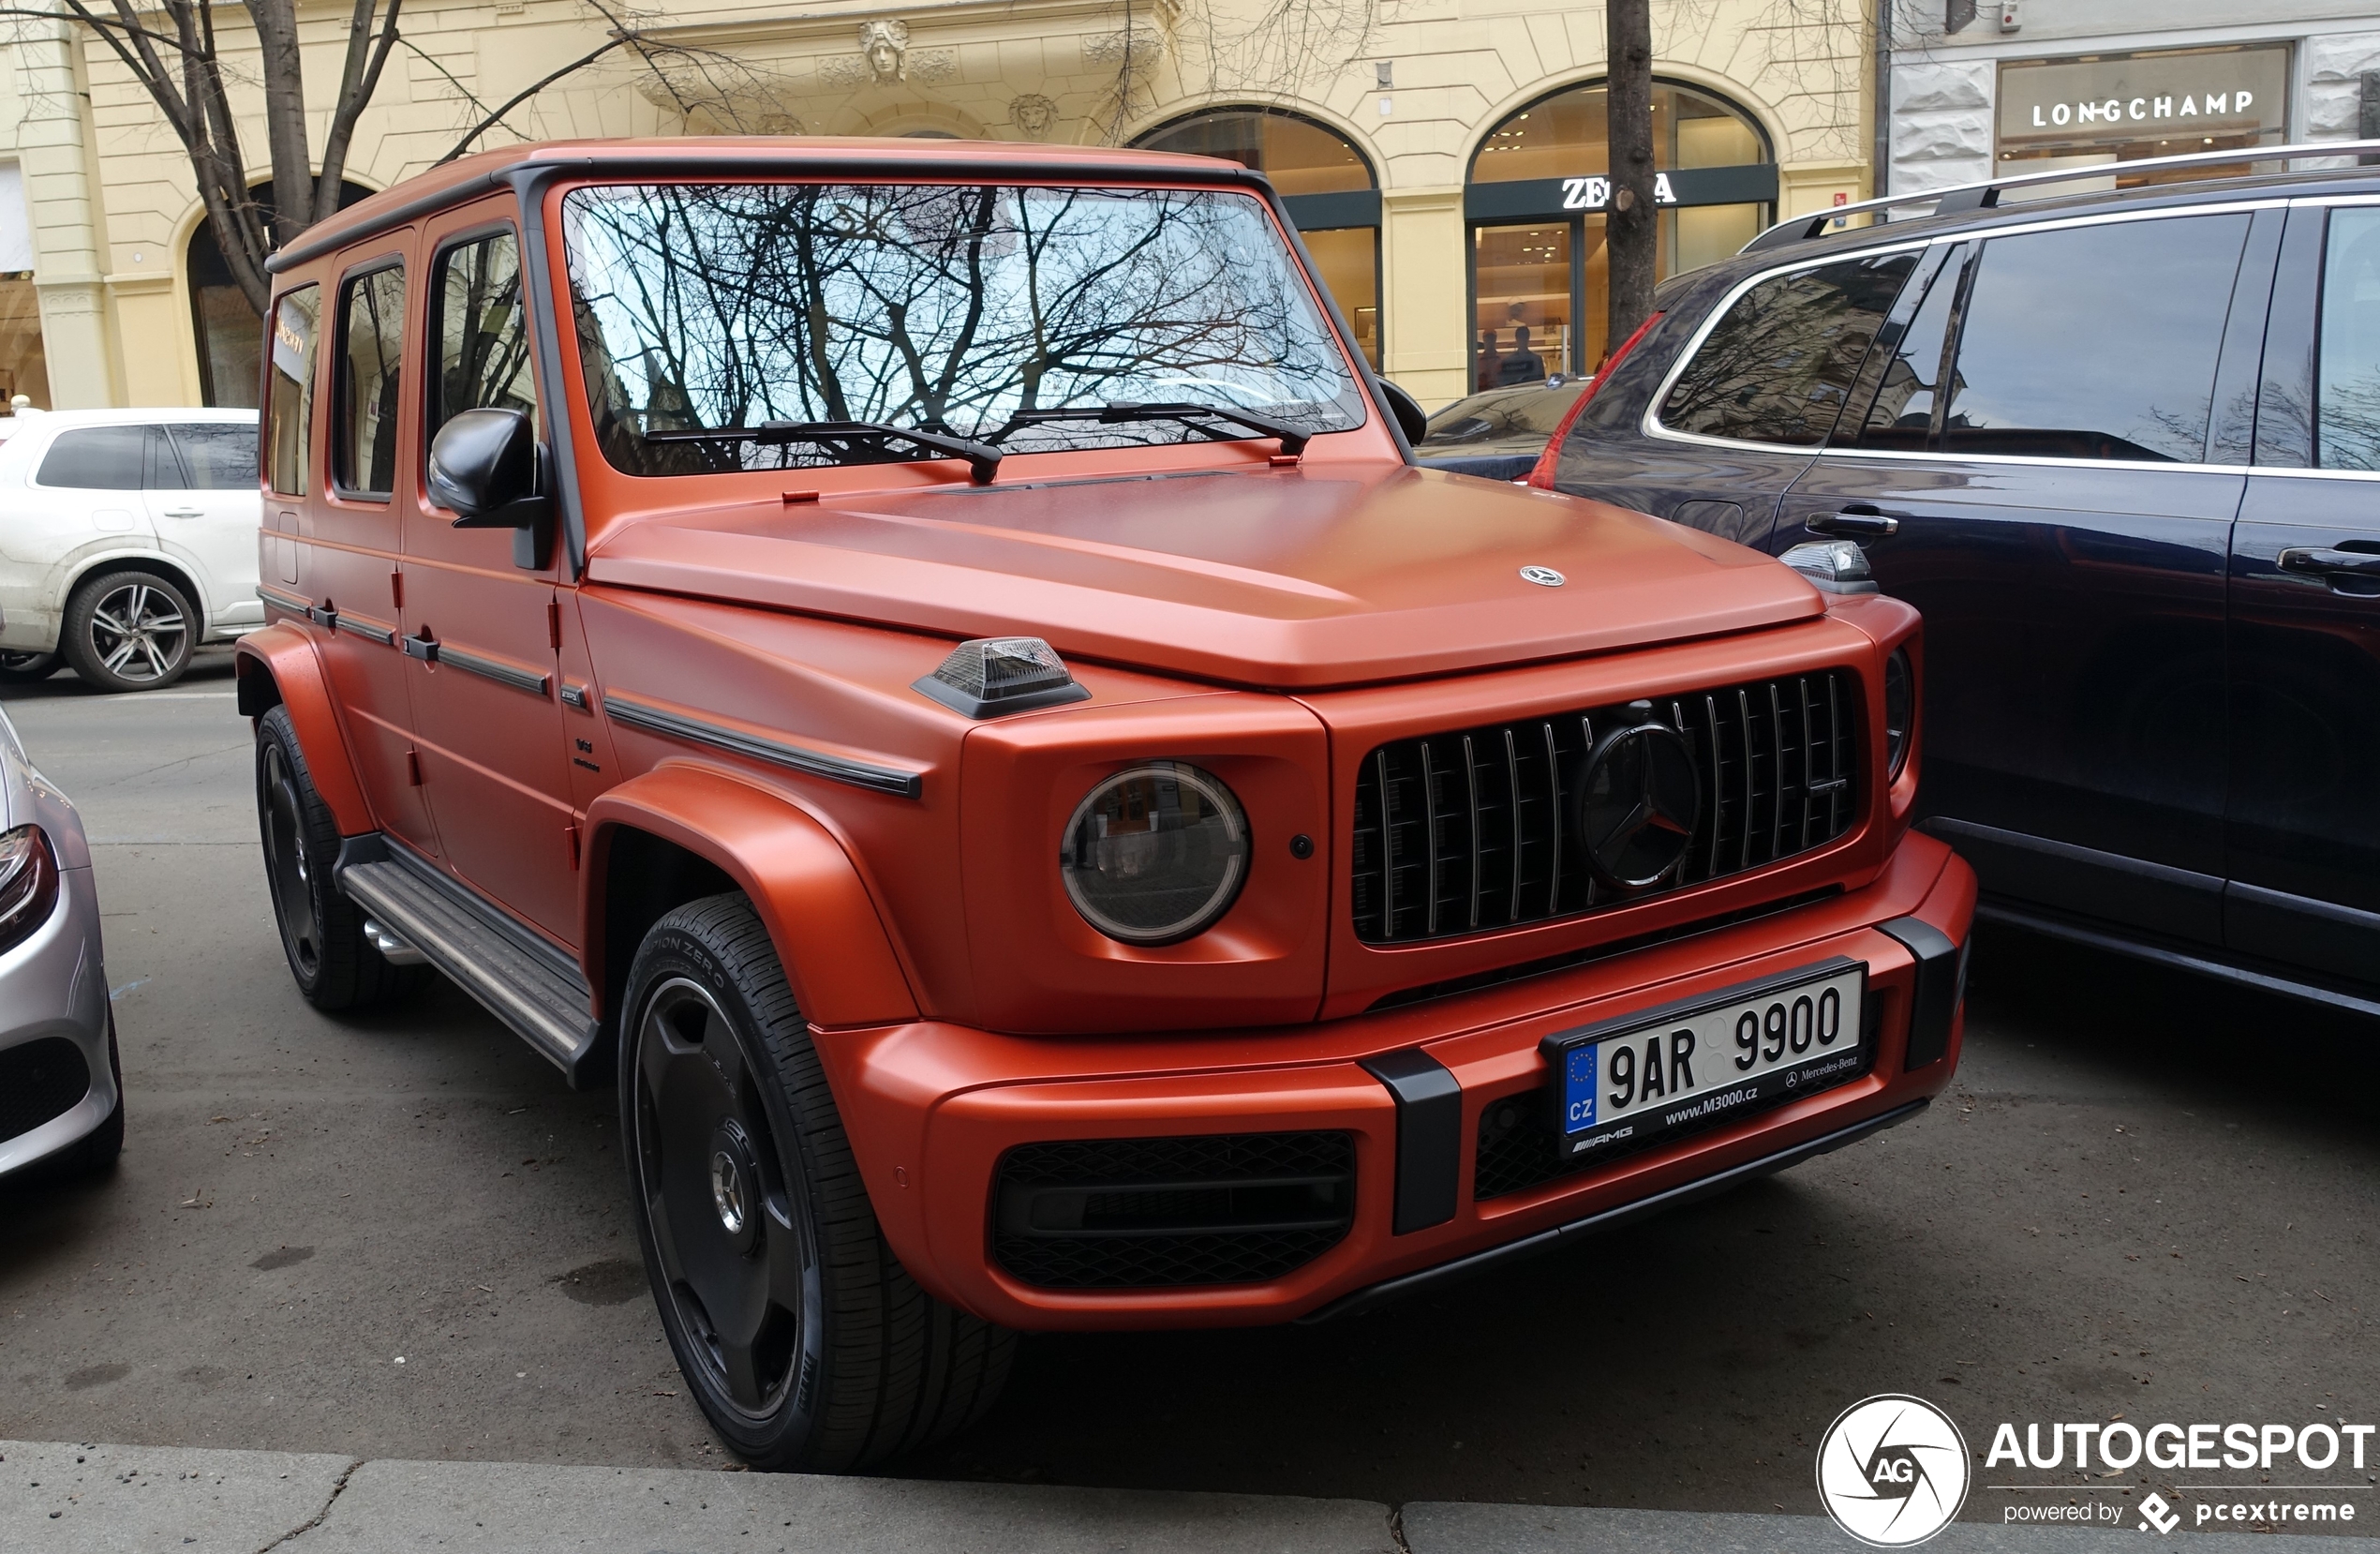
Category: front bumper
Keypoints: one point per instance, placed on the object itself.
(932, 1108)
(54, 987)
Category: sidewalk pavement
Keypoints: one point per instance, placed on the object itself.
(57, 1498)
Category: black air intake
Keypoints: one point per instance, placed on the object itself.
(1466, 831)
(38, 1081)
(1227, 1208)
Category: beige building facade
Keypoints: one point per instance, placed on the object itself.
(1443, 157)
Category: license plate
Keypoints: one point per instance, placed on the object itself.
(1709, 1059)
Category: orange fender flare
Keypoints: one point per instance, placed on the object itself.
(819, 912)
(279, 663)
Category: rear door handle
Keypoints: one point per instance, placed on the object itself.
(2331, 563)
(1872, 525)
(186, 512)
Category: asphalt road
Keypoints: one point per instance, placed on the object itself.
(2146, 1195)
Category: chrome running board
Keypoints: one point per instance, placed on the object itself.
(523, 981)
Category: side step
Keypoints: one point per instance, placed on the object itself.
(523, 981)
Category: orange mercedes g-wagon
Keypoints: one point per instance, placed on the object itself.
(931, 667)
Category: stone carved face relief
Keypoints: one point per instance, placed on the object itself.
(1032, 115)
(886, 46)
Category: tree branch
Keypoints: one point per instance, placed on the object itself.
(495, 116)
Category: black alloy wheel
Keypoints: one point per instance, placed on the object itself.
(335, 965)
(128, 630)
(24, 667)
(801, 1337)
(731, 1255)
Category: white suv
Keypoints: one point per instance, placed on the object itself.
(127, 538)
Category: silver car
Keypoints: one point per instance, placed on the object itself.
(61, 1086)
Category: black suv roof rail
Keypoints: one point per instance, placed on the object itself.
(1985, 195)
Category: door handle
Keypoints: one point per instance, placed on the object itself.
(1852, 522)
(422, 647)
(185, 512)
(2311, 562)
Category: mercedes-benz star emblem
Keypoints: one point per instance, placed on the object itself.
(1637, 799)
(1543, 577)
(727, 1192)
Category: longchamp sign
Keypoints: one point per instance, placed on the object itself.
(2118, 99)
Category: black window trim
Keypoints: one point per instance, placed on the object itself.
(433, 304)
(349, 279)
(1651, 425)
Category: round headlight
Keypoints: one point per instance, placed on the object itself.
(1898, 713)
(1155, 853)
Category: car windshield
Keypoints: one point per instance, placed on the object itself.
(969, 311)
(1513, 413)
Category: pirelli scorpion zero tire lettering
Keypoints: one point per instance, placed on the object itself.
(805, 1341)
(322, 930)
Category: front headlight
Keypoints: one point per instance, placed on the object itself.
(1899, 713)
(1155, 853)
(28, 884)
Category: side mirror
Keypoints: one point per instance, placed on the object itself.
(1410, 418)
(484, 468)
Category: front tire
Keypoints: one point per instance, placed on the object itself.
(128, 630)
(22, 668)
(806, 1343)
(322, 930)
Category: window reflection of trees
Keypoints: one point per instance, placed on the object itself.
(2347, 403)
(943, 308)
(482, 340)
(1777, 367)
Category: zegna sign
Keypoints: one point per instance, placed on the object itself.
(1594, 194)
(2126, 98)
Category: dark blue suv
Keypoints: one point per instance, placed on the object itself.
(2123, 450)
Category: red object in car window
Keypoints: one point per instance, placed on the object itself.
(1543, 477)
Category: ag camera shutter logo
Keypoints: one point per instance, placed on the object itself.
(1893, 1470)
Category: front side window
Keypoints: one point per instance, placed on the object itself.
(1777, 367)
(216, 455)
(2095, 342)
(1901, 416)
(370, 350)
(482, 330)
(289, 417)
(2347, 390)
(979, 312)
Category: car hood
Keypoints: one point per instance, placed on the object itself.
(1294, 578)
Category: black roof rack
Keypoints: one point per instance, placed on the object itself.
(1985, 195)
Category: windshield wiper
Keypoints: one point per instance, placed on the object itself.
(1293, 442)
(983, 461)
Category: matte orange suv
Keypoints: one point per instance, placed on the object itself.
(933, 668)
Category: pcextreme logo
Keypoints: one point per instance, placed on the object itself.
(1893, 1470)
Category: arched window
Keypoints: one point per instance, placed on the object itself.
(1326, 184)
(1535, 200)
(230, 333)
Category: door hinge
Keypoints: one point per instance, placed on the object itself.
(554, 624)
(396, 589)
(413, 768)
(570, 839)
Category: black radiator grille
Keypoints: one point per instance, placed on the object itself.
(1225, 1208)
(1465, 831)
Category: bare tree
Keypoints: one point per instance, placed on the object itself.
(1632, 224)
(176, 50)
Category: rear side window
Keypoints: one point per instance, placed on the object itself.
(289, 397)
(2095, 342)
(95, 458)
(216, 455)
(370, 350)
(481, 332)
(2348, 397)
(1777, 367)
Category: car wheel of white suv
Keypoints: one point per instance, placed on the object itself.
(128, 630)
(21, 667)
